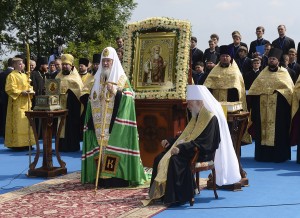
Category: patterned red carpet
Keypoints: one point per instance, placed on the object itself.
(67, 197)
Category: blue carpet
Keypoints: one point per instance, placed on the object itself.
(15, 165)
(273, 191)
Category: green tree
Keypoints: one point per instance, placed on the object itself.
(83, 24)
(6, 9)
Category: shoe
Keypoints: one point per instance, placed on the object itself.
(192, 201)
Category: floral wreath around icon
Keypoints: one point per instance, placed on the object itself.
(160, 24)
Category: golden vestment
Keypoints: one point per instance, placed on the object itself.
(221, 79)
(296, 97)
(88, 82)
(267, 85)
(98, 102)
(72, 82)
(18, 133)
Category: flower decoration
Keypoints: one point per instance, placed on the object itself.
(183, 35)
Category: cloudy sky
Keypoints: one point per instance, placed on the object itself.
(223, 17)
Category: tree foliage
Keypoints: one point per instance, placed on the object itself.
(84, 25)
(6, 9)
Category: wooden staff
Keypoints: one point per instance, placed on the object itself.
(107, 100)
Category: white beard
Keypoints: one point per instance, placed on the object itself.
(194, 113)
(195, 110)
(105, 72)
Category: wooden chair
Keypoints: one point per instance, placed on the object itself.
(197, 167)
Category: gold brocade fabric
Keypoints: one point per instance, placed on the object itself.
(221, 79)
(268, 104)
(296, 97)
(266, 85)
(88, 82)
(72, 82)
(18, 133)
(191, 132)
(226, 78)
(220, 94)
(99, 107)
(268, 82)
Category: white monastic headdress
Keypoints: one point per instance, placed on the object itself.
(226, 163)
(194, 92)
(116, 71)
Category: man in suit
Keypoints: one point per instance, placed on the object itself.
(215, 38)
(3, 96)
(210, 51)
(283, 42)
(234, 47)
(265, 58)
(253, 53)
(285, 64)
(196, 53)
(293, 62)
(251, 75)
(244, 63)
(198, 73)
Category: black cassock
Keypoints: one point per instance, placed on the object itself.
(71, 141)
(295, 136)
(232, 94)
(180, 185)
(281, 151)
(3, 100)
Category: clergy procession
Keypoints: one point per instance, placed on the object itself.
(103, 119)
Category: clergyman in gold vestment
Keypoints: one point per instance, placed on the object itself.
(271, 99)
(18, 133)
(226, 83)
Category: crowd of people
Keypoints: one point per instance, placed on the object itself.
(246, 56)
(75, 89)
(264, 79)
(101, 112)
